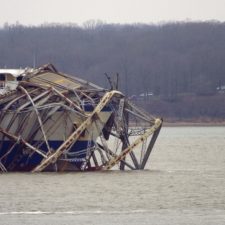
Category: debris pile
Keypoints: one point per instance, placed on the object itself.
(55, 122)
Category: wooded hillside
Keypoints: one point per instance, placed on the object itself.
(176, 62)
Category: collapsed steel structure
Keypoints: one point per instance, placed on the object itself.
(55, 122)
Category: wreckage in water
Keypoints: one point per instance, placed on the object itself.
(50, 121)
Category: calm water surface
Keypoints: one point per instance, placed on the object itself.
(183, 184)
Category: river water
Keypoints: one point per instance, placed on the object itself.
(184, 183)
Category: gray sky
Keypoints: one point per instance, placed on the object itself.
(36, 12)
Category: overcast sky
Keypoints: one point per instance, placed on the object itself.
(35, 12)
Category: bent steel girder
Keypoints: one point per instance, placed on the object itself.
(32, 117)
(76, 134)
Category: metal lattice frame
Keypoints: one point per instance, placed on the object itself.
(35, 105)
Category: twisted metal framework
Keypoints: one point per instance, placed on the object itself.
(54, 122)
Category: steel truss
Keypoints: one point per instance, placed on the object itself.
(32, 114)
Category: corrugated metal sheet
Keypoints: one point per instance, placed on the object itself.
(54, 79)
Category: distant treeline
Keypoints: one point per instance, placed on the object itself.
(169, 60)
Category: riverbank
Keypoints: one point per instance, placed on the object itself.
(188, 109)
(193, 123)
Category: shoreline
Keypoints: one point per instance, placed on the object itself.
(193, 124)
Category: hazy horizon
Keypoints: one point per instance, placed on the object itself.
(110, 11)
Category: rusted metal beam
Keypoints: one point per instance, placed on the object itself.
(76, 134)
(115, 155)
(150, 147)
(34, 113)
(123, 154)
(21, 140)
(38, 116)
(68, 100)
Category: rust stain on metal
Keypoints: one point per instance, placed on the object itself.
(50, 121)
